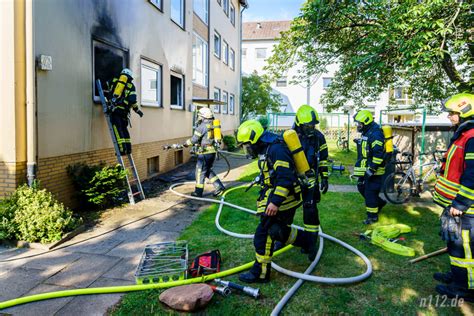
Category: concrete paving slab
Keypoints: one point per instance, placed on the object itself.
(100, 245)
(162, 237)
(92, 305)
(125, 269)
(54, 261)
(84, 271)
(19, 281)
(47, 307)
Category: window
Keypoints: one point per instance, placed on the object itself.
(157, 3)
(217, 97)
(201, 9)
(225, 7)
(326, 82)
(244, 52)
(199, 61)
(150, 83)
(398, 93)
(232, 14)
(177, 91)
(177, 12)
(217, 45)
(153, 165)
(231, 103)
(261, 52)
(225, 53)
(108, 62)
(281, 82)
(225, 100)
(232, 59)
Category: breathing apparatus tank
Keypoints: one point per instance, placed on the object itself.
(216, 125)
(119, 87)
(293, 142)
(387, 133)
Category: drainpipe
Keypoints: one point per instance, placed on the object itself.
(241, 73)
(31, 122)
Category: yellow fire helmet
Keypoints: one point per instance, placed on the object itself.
(364, 117)
(462, 103)
(249, 132)
(306, 115)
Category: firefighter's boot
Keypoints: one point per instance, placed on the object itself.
(198, 192)
(256, 275)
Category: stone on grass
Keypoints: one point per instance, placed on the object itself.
(187, 298)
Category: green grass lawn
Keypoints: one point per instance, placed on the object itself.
(395, 287)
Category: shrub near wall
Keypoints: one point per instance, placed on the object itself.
(34, 215)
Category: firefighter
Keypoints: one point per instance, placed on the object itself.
(203, 140)
(279, 198)
(370, 164)
(454, 191)
(316, 151)
(122, 96)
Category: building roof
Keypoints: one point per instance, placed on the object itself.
(264, 30)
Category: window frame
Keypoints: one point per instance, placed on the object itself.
(205, 62)
(231, 59)
(225, 52)
(226, 102)
(260, 48)
(225, 7)
(217, 46)
(231, 108)
(282, 81)
(325, 87)
(101, 42)
(151, 64)
(206, 20)
(180, 76)
(232, 14)
(183, 13)
(157, 6)
(217, 107)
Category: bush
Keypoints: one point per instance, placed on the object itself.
(264, 121)
(98, 186)
(34, 215)
(230, 142)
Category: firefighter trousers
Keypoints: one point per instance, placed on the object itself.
(120, 126)
(311, 198)
(461, 255)
(204, 170)
(269, 230)
(370, 188)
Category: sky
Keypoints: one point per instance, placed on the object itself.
(272, 10)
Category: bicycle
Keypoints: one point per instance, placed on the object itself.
(400, 186)
(342, 142)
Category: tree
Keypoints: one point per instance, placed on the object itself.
(425, 46)
(257, 97)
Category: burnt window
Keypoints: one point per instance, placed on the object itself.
(108, 61)
(177, 91)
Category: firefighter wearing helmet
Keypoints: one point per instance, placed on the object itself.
(454, 191)
(203, 140)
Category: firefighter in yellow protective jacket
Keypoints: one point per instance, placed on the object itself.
(122, 97)
(454, 191)
(279, 198)
(370, 164)
(204, 141)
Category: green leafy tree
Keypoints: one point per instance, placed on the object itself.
(257, 97)
(425, 46)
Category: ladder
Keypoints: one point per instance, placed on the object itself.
(133, 181)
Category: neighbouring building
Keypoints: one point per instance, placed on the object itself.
(52, 52)
(258, 40)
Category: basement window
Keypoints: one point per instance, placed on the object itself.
(153, 165)
(178, 157)
(108, 61)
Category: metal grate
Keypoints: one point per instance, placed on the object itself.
(163, 262)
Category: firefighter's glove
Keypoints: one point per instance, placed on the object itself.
(450, 226)
(324, 185)
(369, 172)
(139, 112)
